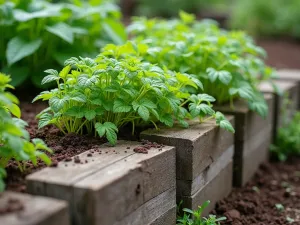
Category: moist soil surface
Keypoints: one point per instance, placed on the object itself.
(64, 147)
(272, 197)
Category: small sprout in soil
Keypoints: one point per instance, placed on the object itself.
(256, 189)
(279, 207)
(285, 184)
(289, 219)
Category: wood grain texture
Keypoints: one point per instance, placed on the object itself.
(197, 147)
(37, 210)
(154, 211)
(112, 186)
(214, 191)
(187, 188)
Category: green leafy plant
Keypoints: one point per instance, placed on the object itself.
(228, 63)
(191, 217)
(38, 34)
(267, 18)
(99, 96)
(14, 139)
(287, 142)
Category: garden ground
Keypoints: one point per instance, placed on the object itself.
(271, 197)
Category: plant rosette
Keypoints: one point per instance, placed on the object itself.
(99, 96)
(228, 63)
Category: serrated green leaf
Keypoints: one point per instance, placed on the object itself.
(206, 109)
(121, 106)
(206, 98)
(109, 130)
(167, 120)
(90, 114)
(49, 78)
(75, 111)
(143, 112)
(56, 103)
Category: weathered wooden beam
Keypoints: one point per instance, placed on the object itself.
(112, 185)
(283, 112)
(24, 209)
(252, 138)
(291, 75)
(202, 152)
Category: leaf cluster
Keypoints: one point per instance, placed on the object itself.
(287, 142)
(38, 34)
(228, 63)
(191, 217)
(14, 139)
(99, 96)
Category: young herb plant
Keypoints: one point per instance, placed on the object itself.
(191, 217)
(38, 34)
(287, 143)
(101, 95)
(14, 139)
(228, 63)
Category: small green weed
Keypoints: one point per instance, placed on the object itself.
(191, 217)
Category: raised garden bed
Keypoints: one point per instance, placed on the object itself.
(24, 209)
(252, 138)
(203, 158)
(286, 104)
(292, 76)
(114, 185)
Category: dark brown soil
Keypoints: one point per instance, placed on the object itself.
(274, 184)
(282, 53)
(64, 147)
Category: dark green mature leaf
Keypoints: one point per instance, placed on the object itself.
(225, 124)
(143, 112)
(224, 76)
(57, 103)
(76, 111)
(121, 106)
(167, 120)
(18, 48)
(90, 114)
(108, 130)
(85, 81)
(62, 30)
